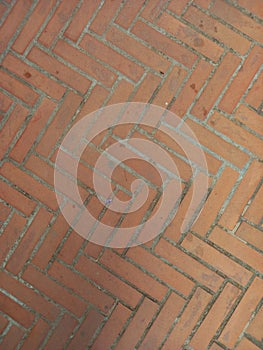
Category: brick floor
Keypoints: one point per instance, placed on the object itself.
(202, 60)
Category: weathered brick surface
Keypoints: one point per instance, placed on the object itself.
(61, 60)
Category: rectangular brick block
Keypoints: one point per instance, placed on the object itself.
(146, 88)
(251, 235)
(121, 93)
(249, 118)
(4, 212)
(255, 327)
(128, 13)
(37, 335)
(254, 97)
(12, 338)
(153, 10)
(246, 344)
(254, 212)
(5, 102)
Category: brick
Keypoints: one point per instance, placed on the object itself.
(3, 323)
(254, 213)
(191, 88)
(33, 77)
(254, 97)
(13, 20)
(93, 250)
(221, 307)
(108, 281)
(237, 134)
(177, 6)
(19, 90)
(165, 45)
(255, 327)
(188, 319)
(241, 196)
(153, 10)
(112, 328)
(106, 54)
(203, 3)
(237, 248)
(60, 295)
(10, 234)
(4, 212)
(37, 335)
(5, 102)
(71, 248)
(164, 272)
(59, 70)
(59, 123)
(137, 326)
(215, 201)
(121, 93)
(31, 132)
(133, 275)
(16, 311)
(216, 259)
(16, 199)
(81, 287)
(249, 118)
(215, 86)
(163, 322)
(56, 23)
(11, 127)
(188, 265)
(242, 314)
(104, 16)
(29, 297)
(217, 30)
(26, 245)
(137, 50)
(251, 235)
(80, 19)
(254, 6)
(170, 86)
(128, 13)
(85, 63)
(246, 344)
(32, 25)
(241, 82)
(12, 339)
(195, 40)
(30, 185)
(146, 88)
(237, 19)
(62, 332)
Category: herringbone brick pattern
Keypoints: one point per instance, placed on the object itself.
(201, 59)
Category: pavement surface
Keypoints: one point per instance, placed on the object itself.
(193, 290)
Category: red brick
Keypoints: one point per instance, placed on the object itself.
(146, 88)
(16, 199)
(33, 25)
(254, 6)
(16, 311)
(237, 19)
(237, 134)
(85, 63)
(4, 212)
(56, 23)
(221, 307)
(215, 347)
(29, 297)
(10, 234)
(137, 50)
(188, 265)
(241, 196)
(121, 93)
(81, 18)
(153, 9)
(191, 88)
(28, 242)
(59, 294)
(188, 320)
(255, 327)
(177, 6)
(128, 13)
(249, 118)
(217, 30)
(37, 335)
(81, 287)
(34, 77)
(31, 132)
(254, 97)
(164, 44)
(93, 250)
(215, 201)
(62, 332)
(184, 33)
(163, 322)
(108, 281)
(71, 248)
(86, 331)
(251, 235)
(245, 344)
(241, 82)
(5, 102)
(104, 16)
(59, 123)
(59, 70)
(12, 339)
(164, 272)
(137, 326)
(112, 328)
(30, 185)
(3, 323)
(216, 259)
(203, 3)
(237, 248)
(215, 86)
(242, 313)
(254, 212)
(13, 20)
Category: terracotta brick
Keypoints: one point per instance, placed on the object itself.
(254, 97)
(37, 335)
(4, 212)
(13, 338)
(3, 323)
(249, 118)
(146, 88)
(253, 6)
(197, 41)
(241, 82)
(71, 247)
(242, 313)
(5, 102)
(251, 235)
(221, 307)
(177, 6)
(246, 344)
(203, 3)
(254, 213)
(153, 10)
(255, 327)
(121, 93)
(128, 13)
(215, 86)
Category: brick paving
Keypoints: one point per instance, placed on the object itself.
(200, 59)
